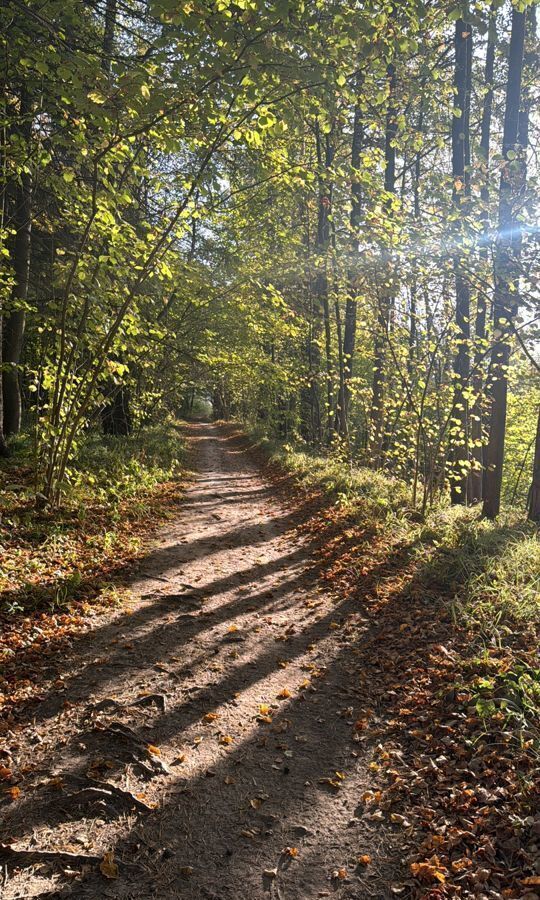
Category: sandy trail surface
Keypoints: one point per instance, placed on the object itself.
(200, 741)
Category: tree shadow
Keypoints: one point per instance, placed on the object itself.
(370, 680)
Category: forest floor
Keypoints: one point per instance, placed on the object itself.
(273, 712)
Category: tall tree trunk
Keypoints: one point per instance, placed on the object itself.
(460, 201)
(108, 35)
(414, 284)
(3, 199)
(477, 436)
(533, 505)
(506, 266)
(13, 330)
(116, 416)
(385, 299)
(351, 305)
(325, 160)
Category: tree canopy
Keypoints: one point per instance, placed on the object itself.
(320, 216)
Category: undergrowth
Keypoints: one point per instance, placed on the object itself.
(118, 488)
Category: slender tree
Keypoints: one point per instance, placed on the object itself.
(461, 202)
(477, 412)
(385, 299)
(14, 324)
(506, 269)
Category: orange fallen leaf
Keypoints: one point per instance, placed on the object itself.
(226, 739)
(364, 859)
(14, 792)
(284, 694)
(340, 874)
(291, 851)
(429, 871)
(155, 750)
(210, 717)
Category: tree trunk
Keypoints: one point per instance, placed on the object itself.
(321, 283)
(349, 334)
(534, 491)
(460, 201)
(3, 145)
(385, 299)
(116, 415)
(506, 266)
(477, 437)
(108, 35)
(13, 331)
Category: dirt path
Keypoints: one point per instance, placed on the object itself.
(242, 691)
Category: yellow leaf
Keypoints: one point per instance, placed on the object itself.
(210, 717)
(284, 694)
(155, 750)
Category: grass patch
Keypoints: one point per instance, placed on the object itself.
(367, 494)
(488, 572)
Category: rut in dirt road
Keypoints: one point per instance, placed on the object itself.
(229, 668)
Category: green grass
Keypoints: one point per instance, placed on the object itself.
(490, 571)
(368, 494)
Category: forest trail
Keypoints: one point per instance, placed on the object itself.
(242, 691)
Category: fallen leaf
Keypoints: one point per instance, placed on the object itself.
(429, 871)
(364, 859)
(339, 874)
(107, 866)
(284, 694)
